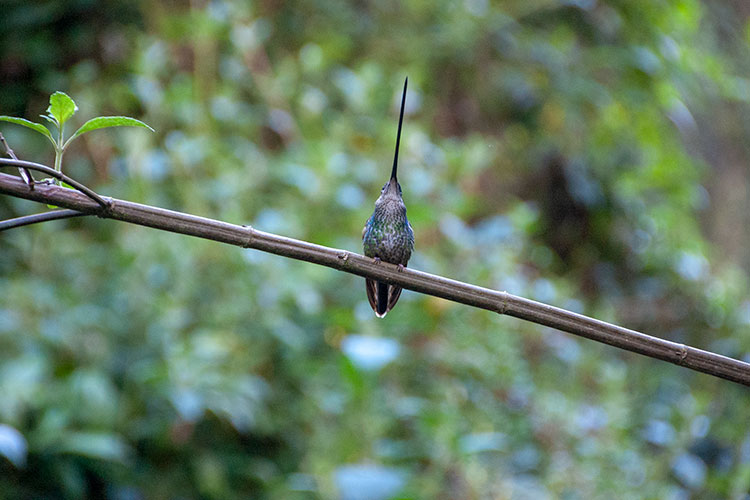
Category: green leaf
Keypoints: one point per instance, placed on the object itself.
(61, 107)
(26, 123)
(108, 121)
(51, 120)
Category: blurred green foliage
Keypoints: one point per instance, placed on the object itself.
(588, 154)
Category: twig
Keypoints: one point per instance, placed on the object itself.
(24, 171)
(27, 220)
(492, 300)
(4, 162)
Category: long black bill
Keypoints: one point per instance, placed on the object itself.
(398, 135)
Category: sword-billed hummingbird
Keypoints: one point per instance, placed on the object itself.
(387, 235)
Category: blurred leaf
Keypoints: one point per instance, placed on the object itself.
(368, 481)
(101, 446)
(13, 445)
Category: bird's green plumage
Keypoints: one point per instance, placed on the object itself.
(388, 234)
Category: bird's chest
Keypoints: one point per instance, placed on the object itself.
(390, 241)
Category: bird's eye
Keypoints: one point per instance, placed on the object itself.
(384, 186)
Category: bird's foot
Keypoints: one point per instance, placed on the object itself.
(377, 260)
(401, 267)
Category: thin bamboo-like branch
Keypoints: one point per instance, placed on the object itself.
(484, 298)
(5, 162)
(27, 220)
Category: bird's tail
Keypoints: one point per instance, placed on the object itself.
(382, 296)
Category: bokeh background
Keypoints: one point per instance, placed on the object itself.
(591, 154)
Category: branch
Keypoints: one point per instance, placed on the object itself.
(25, 174)
(27, 220)
(456, 291)
(23, 164)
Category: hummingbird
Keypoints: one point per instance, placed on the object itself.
(387, 235)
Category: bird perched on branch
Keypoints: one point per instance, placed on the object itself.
(387, 235)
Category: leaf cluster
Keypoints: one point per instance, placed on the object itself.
(61, 109)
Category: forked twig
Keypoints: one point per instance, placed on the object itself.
(25, 174)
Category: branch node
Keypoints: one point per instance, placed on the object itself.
(109, 204)
(248, 243)
(344, 256)
(683, 353)
(503, 303)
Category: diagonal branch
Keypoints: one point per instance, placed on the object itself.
(28, 220)
(456, 291)
(25, 174)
